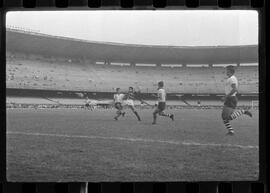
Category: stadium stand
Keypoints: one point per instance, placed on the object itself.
(39, 72)
(42, 61)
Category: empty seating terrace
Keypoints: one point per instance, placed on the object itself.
(54, 74)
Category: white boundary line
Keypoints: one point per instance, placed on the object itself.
(136, 140)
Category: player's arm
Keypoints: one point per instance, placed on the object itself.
(154, 95)
(111, 102)
(159, 95)
(125, 96)
(137, 96)
(234, 90)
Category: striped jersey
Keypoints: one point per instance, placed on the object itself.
(131, 95)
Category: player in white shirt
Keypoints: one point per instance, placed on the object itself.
(88, 104)
(161, 103)
(118, 100)
(229, 111)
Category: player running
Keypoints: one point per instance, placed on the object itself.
(130, 97)
(88, 104)
(230, 101)
(161, 104)
(118, 100)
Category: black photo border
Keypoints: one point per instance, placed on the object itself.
(65, 5)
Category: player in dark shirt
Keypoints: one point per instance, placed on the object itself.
(129, 100)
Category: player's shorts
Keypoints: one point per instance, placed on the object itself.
(226, 113)
(161, 106)
(87, 105)
(118, 106)
(231, 102)
(129, 102)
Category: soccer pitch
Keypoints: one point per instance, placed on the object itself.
(81, 145)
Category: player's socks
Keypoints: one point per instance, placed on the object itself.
(118, 114)
(116, 117)
(228, 125)
(248, 113)
(172, 117)
(137, 115)
(230, 132)
(237, 114)
(164, 114)
(154, 119)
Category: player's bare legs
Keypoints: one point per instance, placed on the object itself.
(161, 113)
(88, 107)
(156, 111)
(229, 114)
(171, 116)
(135, 112)
(119, 112)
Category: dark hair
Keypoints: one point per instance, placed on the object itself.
(130, 87)
(230, 68)
(117, 89)
(161, 83)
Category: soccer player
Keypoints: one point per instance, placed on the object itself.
(130, 97)
(88, 104)
(229, 111)
(118, 100)
(161, 104)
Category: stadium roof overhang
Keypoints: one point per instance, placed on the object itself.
(35, 43)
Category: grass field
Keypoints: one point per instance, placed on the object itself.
(81, 145)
